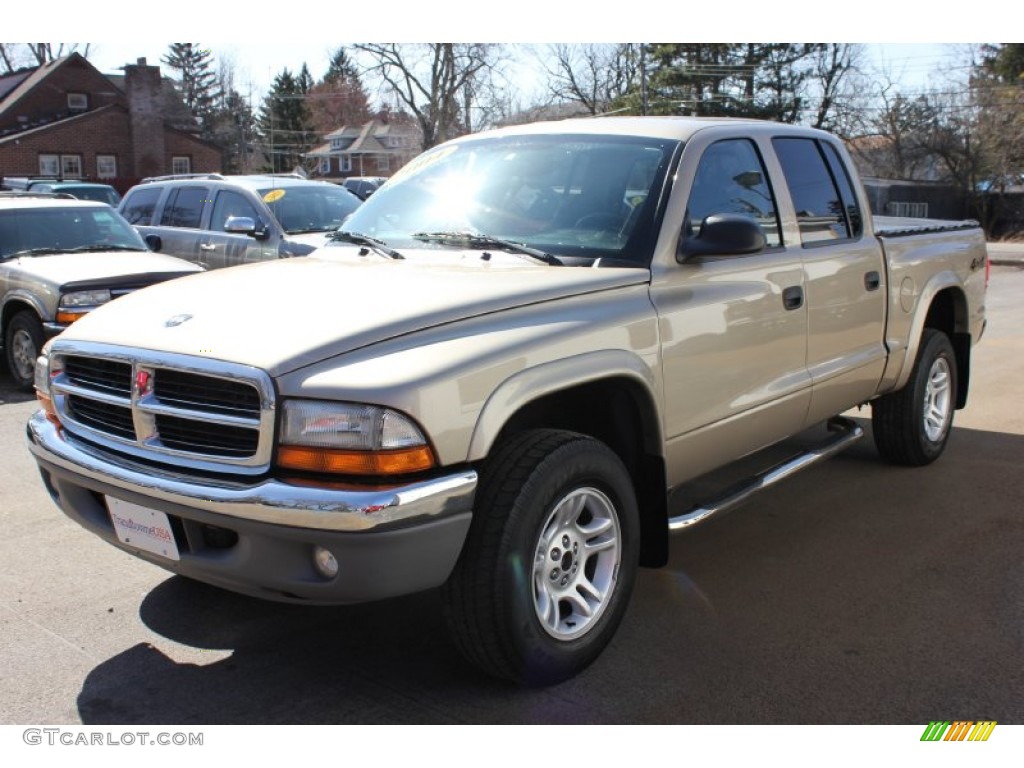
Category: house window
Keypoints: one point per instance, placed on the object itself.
(181, 165)
(335, 143)
(106, 166)
(345, 163)
(325, 165)
(71, 166)
(383, 163)
(49, 165)
(78, 102)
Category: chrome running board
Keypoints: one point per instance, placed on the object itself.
(847, 433)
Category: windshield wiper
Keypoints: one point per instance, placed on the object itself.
(36, 252)
(98, 247)
(482, 241)
(357, 238)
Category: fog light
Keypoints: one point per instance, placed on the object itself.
(325, 562)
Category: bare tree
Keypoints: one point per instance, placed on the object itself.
(438, 83)
(16, 55)
(835, 76)
(595, 75)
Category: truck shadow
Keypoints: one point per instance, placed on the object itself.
(843, 596)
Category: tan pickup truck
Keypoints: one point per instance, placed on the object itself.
(502, 376)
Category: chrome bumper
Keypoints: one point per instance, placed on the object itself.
(271, 501)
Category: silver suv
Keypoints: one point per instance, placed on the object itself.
(60, 258)
(220, 221)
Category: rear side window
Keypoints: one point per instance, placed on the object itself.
(185, 207)
(821, 210)
(139, 205)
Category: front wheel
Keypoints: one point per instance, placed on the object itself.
(550, 560)
(912, 426)
(23, 340)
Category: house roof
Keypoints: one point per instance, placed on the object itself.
(77, 117)
(32, 78)
(366, 139)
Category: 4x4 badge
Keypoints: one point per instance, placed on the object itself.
(177, 320)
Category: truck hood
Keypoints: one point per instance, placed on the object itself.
(283, 315)
(63, 268)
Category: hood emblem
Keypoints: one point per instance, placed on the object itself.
(177, 320)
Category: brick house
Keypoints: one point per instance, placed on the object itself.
(65, 119)
(376, 148)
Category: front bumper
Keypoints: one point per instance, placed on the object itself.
(258, 538)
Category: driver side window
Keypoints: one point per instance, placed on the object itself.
(731, 179)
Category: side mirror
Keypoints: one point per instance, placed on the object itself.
(722, 234)
(246, 225)
(154, 242)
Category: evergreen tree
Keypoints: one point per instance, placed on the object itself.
(339, 99)
(197, 81)
(284, 121)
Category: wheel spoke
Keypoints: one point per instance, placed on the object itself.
(595, 545)
(547, 605)
(588, 589)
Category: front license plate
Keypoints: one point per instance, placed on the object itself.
(143, 528)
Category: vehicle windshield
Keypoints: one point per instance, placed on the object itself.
(37, 231)
(578, 196)
(318, 207)
(97, 194)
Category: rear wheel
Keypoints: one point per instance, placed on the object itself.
(22, 342)
(546, 572)
(912, 426)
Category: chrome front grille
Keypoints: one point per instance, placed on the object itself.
(175, 409)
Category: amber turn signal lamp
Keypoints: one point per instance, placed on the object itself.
(400, 461)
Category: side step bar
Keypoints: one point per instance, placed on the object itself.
(847, 433)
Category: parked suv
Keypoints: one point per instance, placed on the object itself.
(60, 258)
(363, 186)
(83, 190)
(220, 221)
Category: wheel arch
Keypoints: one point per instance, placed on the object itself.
(943, 307)
(609, 396)
(12, 306)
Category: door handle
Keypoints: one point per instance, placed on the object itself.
(793, 298)
(207, 247)
(872, 280)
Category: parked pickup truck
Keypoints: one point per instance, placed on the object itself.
(502, 376)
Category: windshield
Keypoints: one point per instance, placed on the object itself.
(27, 231)
(318, 207)
(570, 196)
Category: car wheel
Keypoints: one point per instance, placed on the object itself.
(912, 426)
(23, 341)
(550, 560)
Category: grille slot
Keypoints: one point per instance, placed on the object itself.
(205, 393)
(111, 376)
(112, 419)
(204, 437)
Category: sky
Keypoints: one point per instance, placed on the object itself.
(256, 64)
(261, 43)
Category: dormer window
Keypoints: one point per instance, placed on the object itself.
(335, 143)
(78, 102)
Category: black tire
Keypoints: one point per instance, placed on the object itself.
(22, 342)
(912, 426)
(514, 602)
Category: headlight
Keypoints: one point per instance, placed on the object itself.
(350, 439)
(44, 374)
(76, 303)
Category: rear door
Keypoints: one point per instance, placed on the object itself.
(181, 222)
(845, 276)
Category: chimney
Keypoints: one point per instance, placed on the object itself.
(144, 90)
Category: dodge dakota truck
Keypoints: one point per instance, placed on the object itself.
(506, 371)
